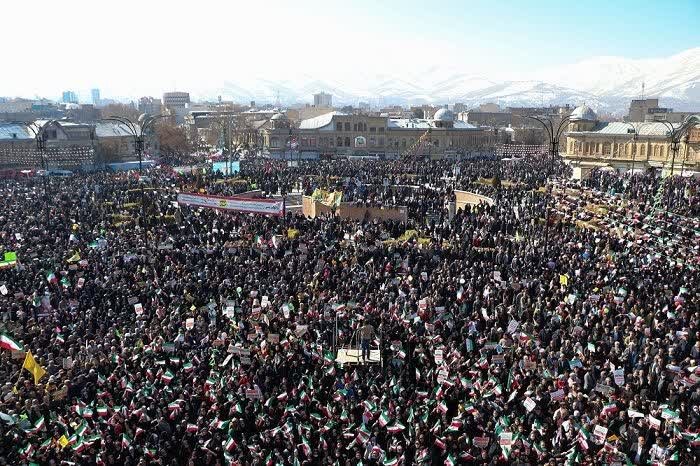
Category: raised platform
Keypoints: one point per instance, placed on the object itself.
(354, 356)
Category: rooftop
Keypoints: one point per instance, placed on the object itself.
(14, 131)
(643, 129)
(319, 121)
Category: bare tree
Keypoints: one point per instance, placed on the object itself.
(172, 139)
(121, 110)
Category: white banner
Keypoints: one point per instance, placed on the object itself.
(256, 206)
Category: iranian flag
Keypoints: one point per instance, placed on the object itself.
(191, 427)
(450, 461)
(369, 406)
(102, 411)
(305, 446)
(126, 441)
(396, 428)
(230, 444)
(8, 343)
(39, 424)
(390, 462)
(455, 425)
(188, 367)
(51, 277)
(26, 451)
(168, 376)
(79, 446)
(470, 409)
(384, 419)
(609, 408)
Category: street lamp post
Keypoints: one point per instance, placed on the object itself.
(39, 131)
(675, 134)
(554, 133)
(137, 130)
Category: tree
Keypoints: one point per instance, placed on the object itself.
(109, 150)
(172, 139)
(121, 110)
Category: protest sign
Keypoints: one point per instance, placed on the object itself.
(619, 375)
(529, 404)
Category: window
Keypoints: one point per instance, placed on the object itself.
(340, 142)
(347, 139)
(312, 142)
(304, 142)
(50, 134)
(347, 126)
(437, 143)
(372, 141)
(354, 127)
(274, 142)
(338, 126)
(403, 143)
(381, 129)
(372, 129)
(381, 141)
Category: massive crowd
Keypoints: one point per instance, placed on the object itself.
(515, 333)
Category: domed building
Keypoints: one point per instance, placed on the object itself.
(279, 121)
(583, 118)
(444, 118)
(628, 146)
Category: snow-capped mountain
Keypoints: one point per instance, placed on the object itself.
(604, 83)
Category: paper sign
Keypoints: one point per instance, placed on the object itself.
(442, 376)
(529, 404)
(3, 290)
(273, 338)
(67, 363)
(60, 394)
(512, 326)
(558, 395)
(505, 439)
(133, 300)
(438, 356)
(481, 442)
(189, 323)
(301, 330)
(265, 302)
(81, 282)
(600, 433)
(499, 359)
(253, 394)
(138, 308)
(619, 375)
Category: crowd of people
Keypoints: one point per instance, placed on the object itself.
(509, 333)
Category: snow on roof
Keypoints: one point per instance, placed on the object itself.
(414, 123)
(14, 131)
(106, 129)
(650, 128)
(319, 121)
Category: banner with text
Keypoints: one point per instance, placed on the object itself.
(256, 206)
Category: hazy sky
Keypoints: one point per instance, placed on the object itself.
(143, 47)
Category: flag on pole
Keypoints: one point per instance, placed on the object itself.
(9, 343)
(32, 366)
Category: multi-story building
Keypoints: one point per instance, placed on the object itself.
(323, 99)
(479, 118)
(649, 110)
(149, 105)
(177, 103)
(338, 133)
(640, 145)
(69, 97)
(95, 95)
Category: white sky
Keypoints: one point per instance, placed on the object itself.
(130, 48)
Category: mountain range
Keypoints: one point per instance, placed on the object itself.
(605, 83)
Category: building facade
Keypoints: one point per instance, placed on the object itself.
(149, 105)
(323, 99)
(624, 146)
(69, 97)
(178, 104)
(95, 95)
(341, 134)
(649, 110)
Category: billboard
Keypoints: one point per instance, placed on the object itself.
(360, 141)
(255, 206)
